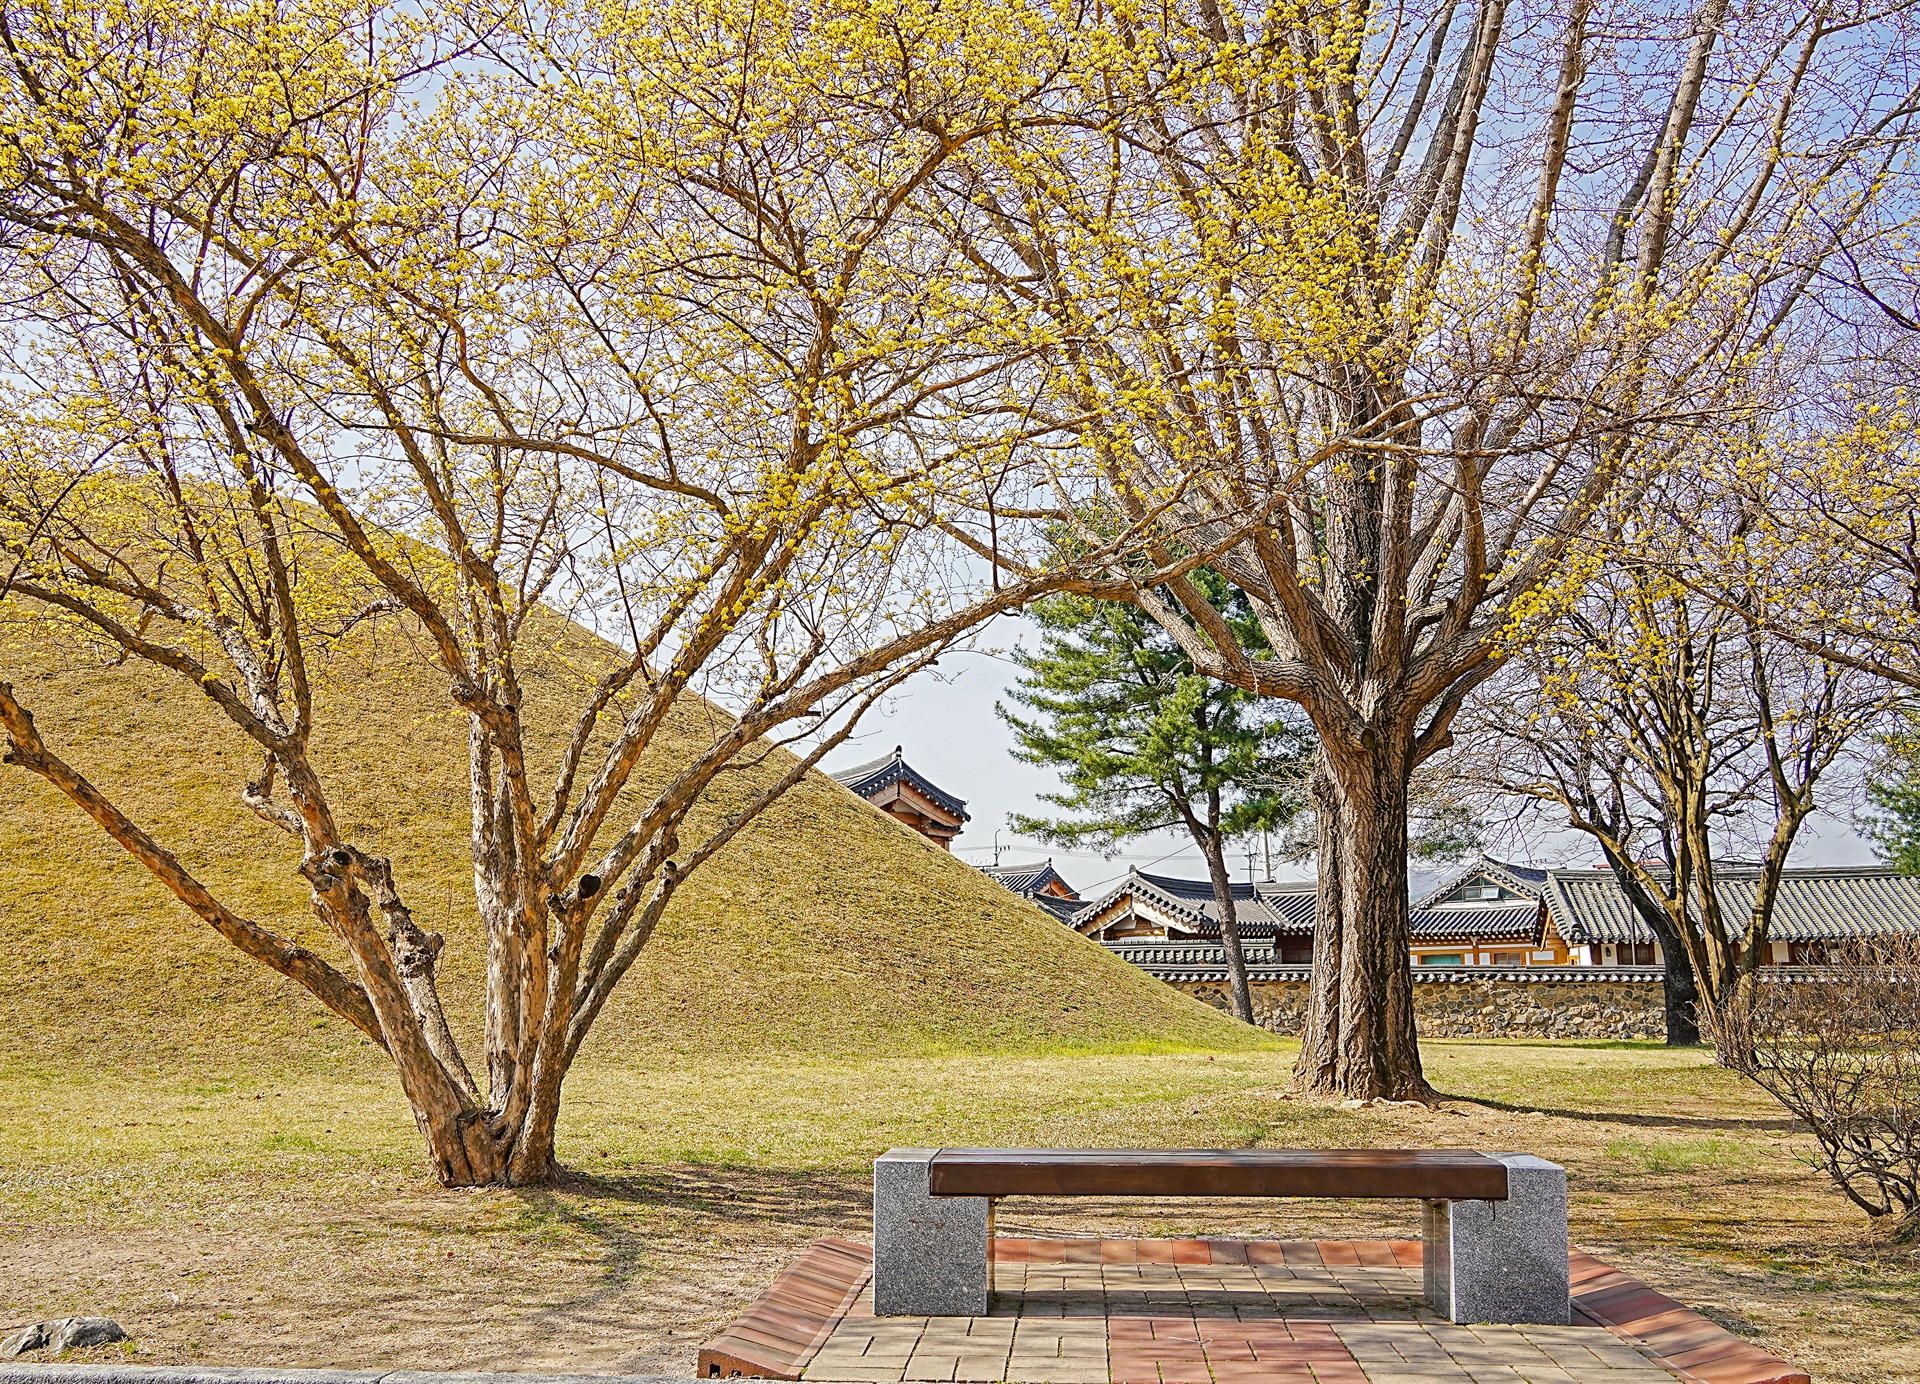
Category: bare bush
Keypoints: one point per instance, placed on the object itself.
(1840, 1049)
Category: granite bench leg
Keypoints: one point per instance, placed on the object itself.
(1502, 1261)
(932, 1256)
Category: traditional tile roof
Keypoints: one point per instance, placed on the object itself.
(1586, 906)
(1271, 910)
(1261, 910)
(1524, 880)
(1063, 909)
(869, 778)
(1028, 880)
(1825, 904)
(1501, 922)
(1199, 961)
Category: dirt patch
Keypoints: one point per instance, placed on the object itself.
(614, 1275)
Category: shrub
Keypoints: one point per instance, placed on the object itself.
(1840, 1049)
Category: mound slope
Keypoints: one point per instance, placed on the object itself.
(826, 928)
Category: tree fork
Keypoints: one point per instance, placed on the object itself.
(464, 1150)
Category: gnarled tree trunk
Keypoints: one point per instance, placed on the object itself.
(1361, 1040)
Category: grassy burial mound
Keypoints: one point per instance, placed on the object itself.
(825, 928)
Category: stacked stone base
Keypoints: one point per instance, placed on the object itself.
(1481, 1008)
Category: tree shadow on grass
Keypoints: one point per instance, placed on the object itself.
(702, 1223)
(1668, 1120)
(723, 1191)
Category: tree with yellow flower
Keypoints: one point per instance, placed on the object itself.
(1423, 291)
(324, 315)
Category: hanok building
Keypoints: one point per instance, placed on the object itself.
(1816, 910)
(1040, 883)
(1490, 914)
(909, 797)
(1144, 907)
(1491, 922)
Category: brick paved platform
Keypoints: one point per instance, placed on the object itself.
(1218, 1312)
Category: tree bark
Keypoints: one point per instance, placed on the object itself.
(1682, 994)
(1211, 845)
(1315, 1068)
(466, 1152)
(415, 954)
(1681, 988)
(1363, 1041)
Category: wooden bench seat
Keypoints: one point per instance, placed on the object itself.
(1494, 1224)
(1445, 1174)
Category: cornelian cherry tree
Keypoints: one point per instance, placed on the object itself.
(319, 311)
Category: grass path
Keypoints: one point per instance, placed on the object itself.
(232, 1219)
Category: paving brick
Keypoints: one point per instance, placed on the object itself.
(981, 1365)
(1221, 1311)
(1570, 1356)
(1547, 1372)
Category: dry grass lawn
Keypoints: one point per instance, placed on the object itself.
(236, 1218)
(195, 1148)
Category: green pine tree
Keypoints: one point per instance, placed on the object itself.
(1143, 744)
(1893, 789)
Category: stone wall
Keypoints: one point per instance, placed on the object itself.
(1481, 1008)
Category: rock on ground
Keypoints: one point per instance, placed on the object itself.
(68, 1333)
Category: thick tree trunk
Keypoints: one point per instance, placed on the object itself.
(415, 953)
(1363, 1042)
(466, 1152)
(1229, 927)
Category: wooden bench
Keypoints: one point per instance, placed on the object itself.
(1494, 1224)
